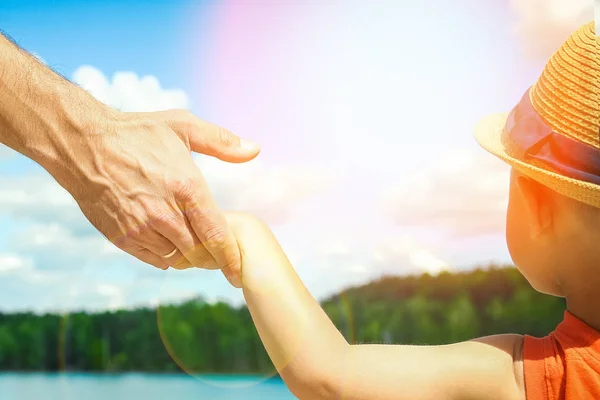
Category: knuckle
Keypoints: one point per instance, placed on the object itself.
(162, 219)
(128, 236)
(134, 232)
(184, 188)
(182, 122)
(202, 216)
(126, 244)
(150, 125)
(232, 264)
(226, 138)
(186, 120)
(216, 237)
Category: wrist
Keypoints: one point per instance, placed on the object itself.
(71, 122)
(261, 257)
(47, 118)
(70, 150)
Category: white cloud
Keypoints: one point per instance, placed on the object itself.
(40, 199)
(56, 292)
(101, 288)
(464, 194)
(543, 25)
(108, 290)
(54, 246)
(129, 92)
(334, 248)
(329, 262)
(325, 275)
(113, 293)
(269, 192)
(52, 232)
(402, 255)
(11, 262)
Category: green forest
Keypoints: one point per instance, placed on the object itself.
(199, 337)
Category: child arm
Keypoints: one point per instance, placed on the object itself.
(316, 362)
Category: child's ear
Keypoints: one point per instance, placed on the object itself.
(537, 203)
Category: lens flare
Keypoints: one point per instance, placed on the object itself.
(345, 307)
(189, 330)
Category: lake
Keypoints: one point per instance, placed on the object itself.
(67, 386)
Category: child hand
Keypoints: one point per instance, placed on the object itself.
(259, 250)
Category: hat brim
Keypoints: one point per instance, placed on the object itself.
(488, 133)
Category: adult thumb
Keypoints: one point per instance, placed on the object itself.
(213, 140)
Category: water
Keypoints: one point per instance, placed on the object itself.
(66, 386)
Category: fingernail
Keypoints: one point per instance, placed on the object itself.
(248, 145)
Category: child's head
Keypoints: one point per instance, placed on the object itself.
(550, 237)
(551, 139)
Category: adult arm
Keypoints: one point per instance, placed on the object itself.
(132, 174)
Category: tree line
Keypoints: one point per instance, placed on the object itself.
(200, 337)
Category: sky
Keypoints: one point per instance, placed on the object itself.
(364, 111)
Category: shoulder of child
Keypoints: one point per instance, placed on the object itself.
(509, 347)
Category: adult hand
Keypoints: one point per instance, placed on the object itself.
(132, 174)
(133, 177)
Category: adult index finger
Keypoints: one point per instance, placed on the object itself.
(211, 228)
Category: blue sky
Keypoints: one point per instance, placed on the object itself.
(113, 35)
(364, 111)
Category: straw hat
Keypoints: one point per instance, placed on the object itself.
(553, 134)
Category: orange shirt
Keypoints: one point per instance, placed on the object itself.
(565, 365)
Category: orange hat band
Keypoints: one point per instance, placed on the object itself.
(530, 139)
